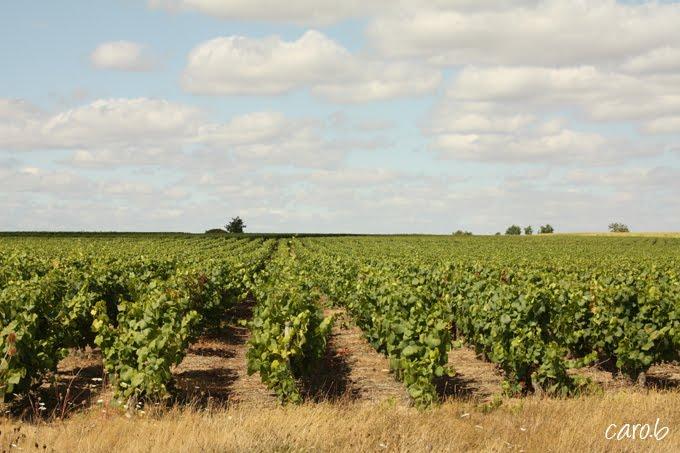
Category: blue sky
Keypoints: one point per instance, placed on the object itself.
(406, 116)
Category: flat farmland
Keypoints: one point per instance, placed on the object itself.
(305, 343)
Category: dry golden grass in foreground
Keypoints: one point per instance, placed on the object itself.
(530, 424)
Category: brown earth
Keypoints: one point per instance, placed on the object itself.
(359, 372)
(342, 412)
(663, 376)
(214, 373)
(214, 370)
(474, 379)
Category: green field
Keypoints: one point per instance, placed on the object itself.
(535, 307)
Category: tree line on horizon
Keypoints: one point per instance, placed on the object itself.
(516, 230)
(236, 225)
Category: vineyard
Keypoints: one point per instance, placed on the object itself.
(537, 309)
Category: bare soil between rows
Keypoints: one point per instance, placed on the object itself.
(214, 369)
(214, 373)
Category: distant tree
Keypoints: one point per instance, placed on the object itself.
(547, 229)
(617, 227)
(528, 230)
(462, 233)
(215, 231)
(236, 225)
(514, 230)
(498, 233)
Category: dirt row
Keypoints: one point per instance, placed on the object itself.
(214, 371)
(215, 368)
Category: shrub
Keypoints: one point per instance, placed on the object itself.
(236, 225)
(617, 227)
(513, 230)
(547, 229)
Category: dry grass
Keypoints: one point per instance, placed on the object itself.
(361, 420)
(531, 424)
(660, 234)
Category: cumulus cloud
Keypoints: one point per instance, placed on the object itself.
(241, 65)
(301, 12)
(655, 178)
(332, 200)
(530, 83)
(19, 123)
(600, 95)
(142, 131)
(103, 123)
(95, 156)
(377, 81)
(32, 179)
(507, 132)
(122, 56)
(548, 116)
(121, 121)
(270, 65)
(662, 60)
(528, 32)
(62, 199)
(564, 146)
(664, 125)
(466, 120)
(268, 138)
(245, 129)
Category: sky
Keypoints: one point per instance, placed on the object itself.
(381, 116)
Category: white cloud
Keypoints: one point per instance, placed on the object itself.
(117, 125)
(122, 56)
(333, 199)
(376, 81)
(602, 96)
(19, 123)
(522, 83)
(269, 138)
(563, 146)
(349, 178)
(550, 32)
(31, 179)
(522, 124)
(467, 119)
(110, 122)
(103, 133)
(341, 121)
(153, 132)
(302, 12)
(634, 191)
(17, 110)
(661, 60)
(664, 125)
(239, 65)
(246, 129)
(95, 156)
(505, 132)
